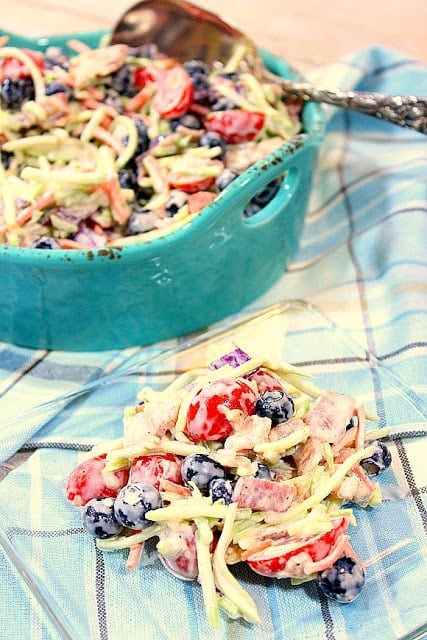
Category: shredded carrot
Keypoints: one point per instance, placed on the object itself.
(259, 547)
(134, 555)
(119, 208)
(105, 136)
(95, 93)
(199, 109)
(27, 213)
(360, 473)
(68, 243)
(141, 98)
(91, 103)
(98, 229)
(106, 121)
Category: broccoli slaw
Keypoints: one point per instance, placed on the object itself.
(115, 145)
(246, 461)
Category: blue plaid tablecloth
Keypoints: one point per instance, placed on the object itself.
(362, 261)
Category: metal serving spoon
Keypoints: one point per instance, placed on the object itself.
(185, 31)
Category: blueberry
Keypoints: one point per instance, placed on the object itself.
(263, 472)
(6, 157)
(200, 83)
(221, 489)
(143, 137)
(176, 200)
(56, 87)
(222, 104)
(263, 197)
(140, 221)
(121, 81)
(99, 519)
(225, 178)
(230, 75)
(15, 91)
(127, 179)
(276, 405)
(133, 502)
(196, 66)
(251, 209)
(343, 581)
(201, 469)
(213, 139)
(188, 120)
(45, 242)
(378, 461)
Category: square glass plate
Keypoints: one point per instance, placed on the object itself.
(88, 595)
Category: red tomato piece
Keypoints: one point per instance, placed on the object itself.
(146, 75)
(194, 183)
(86, 481)
(315, 548)
(198, 201)
(152, 468)
(206, 418)
(189, 184)
(235, 125)
(174, 93)
(13, 68)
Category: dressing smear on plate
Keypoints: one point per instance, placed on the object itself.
(246, 461)
(114, 145)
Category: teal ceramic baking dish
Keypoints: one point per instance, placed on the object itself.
(85, 300)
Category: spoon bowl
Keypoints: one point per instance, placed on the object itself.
(185, 31)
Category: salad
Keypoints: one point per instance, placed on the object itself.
(246, 461)
(113, 145)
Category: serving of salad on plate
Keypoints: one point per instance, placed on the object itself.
(113, 145)
(244, 461)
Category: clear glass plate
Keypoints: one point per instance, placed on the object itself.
(89, 595)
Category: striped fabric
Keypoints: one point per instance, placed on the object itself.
(362, 262)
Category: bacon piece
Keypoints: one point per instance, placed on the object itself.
(308, 455)
(285, 429)
(329, 416)
(261, 494)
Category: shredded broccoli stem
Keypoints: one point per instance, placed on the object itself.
(206, 578)
(282, 445)
(225, 580)
(123, 542)
(188, 509)
(132, 142)
(9, 207)
(96, 118)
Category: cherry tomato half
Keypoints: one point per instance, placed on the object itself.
(316, 548)
(146, 75)
(194, 183)
(235, 125)
(151, 468)
(13, 68)
(206, 417)
(265, 381)
(86, 481)
(174, 93)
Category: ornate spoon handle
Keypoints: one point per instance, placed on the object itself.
(405, 111)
